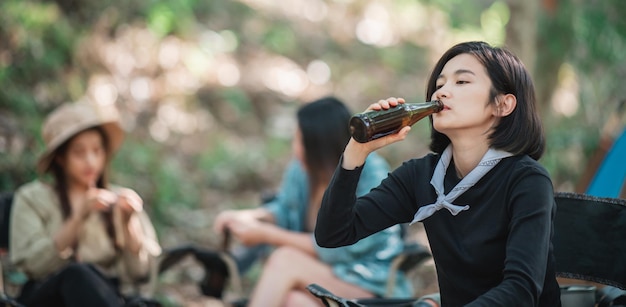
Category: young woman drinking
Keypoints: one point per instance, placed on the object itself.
(486, 203)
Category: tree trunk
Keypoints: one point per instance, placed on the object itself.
(521, 31)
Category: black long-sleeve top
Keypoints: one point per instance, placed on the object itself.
(497, 253)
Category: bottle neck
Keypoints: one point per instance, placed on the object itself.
(422, 107)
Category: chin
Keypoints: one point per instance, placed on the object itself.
(444, 129)
(89, 180)
(439, 126)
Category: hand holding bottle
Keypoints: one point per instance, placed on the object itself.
(356, 152)
(388, 117)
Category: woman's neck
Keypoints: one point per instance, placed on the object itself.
(75, 187)
(467, 155)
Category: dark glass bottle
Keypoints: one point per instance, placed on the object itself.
(371, 125)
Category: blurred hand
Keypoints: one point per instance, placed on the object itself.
(96, 200)
(385, 104)
(251, 232)
(129, 202)
(225, 218)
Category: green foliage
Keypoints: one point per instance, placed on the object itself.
(161, 19)
(600, 29)
(280, 39)
(164, 17)
(567, 150)
(590, 38)
(238, 99)
(37, 43)
(403, 59)
(463, 14)
(196, 143)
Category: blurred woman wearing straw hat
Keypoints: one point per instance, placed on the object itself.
(79, 239)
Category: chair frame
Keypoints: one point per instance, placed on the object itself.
(585, 216)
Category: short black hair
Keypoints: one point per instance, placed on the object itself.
(519, 133)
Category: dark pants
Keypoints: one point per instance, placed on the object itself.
(76, 285)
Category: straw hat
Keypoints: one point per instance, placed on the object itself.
(70, 119)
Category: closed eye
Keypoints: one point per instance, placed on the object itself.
(462, 82)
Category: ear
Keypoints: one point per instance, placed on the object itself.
(505, 105)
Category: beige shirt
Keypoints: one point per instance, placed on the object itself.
(35, 218)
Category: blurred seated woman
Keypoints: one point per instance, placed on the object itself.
(287, 222)
(79, 239)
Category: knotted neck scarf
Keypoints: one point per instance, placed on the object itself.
(491, 158)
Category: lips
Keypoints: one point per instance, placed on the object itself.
(90, 175)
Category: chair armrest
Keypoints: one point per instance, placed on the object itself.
(329, 299)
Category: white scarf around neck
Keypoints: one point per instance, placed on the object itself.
(491, 158)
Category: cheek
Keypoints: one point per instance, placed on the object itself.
(101, 160)
(74, 165)
(98, 164)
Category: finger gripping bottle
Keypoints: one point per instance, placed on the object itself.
(371, 125)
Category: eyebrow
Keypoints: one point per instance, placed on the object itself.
(459, 72)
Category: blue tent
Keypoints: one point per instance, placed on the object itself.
(609, 179)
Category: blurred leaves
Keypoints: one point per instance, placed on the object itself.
(209, 89)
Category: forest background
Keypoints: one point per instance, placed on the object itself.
(208, 89)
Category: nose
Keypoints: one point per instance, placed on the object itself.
(92, 159)
(442, 93)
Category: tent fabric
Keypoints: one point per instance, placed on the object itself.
(609, 179)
